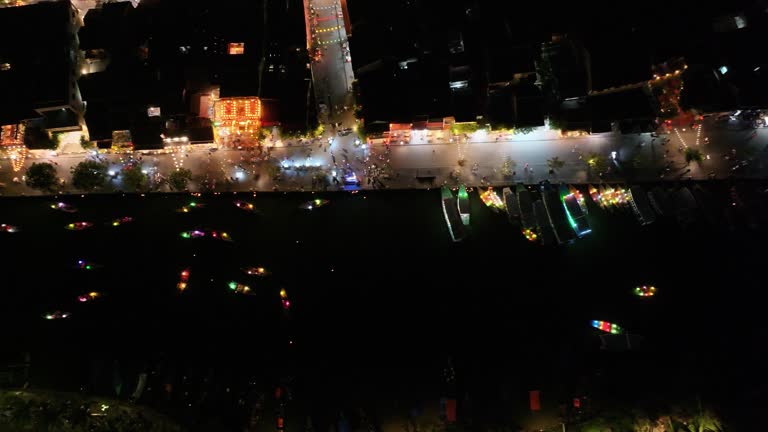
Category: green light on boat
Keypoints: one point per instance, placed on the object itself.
(567, 213)
(463, 192)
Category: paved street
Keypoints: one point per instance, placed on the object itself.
(439, 159)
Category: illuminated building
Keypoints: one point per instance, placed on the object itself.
(237, 115)
(11, 135)
(12, 142)
(236, 48)
(122, 140)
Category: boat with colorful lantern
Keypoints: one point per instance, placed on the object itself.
(594, 195)
(245, 206)
(239, 288)
(542, 223)
(645, 291)
(93, 295)
(57, 315)
(579, 198)
(576, 217)
(284, 300)
(255, 271)
(556, 214)
(193, 205)
(462, 204)
(607, 327)
(315, 203)
(192, 234)
(8, 228)
(605, 197)
(121, 221)
(491, 199)
(510, 203)
(63, 207)
(525, 203)
(613, 197)
(87, 265)
(451, 213)
(221, 235)
(183, 280)
(78, 226)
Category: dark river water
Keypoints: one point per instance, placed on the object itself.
(381, 299)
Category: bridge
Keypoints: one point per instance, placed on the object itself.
(327, 27)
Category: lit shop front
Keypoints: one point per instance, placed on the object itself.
(237, 116)
(12, 144)
(419, 132)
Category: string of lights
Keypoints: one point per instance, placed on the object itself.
(329, 29)
(17, 155)
(680, 137)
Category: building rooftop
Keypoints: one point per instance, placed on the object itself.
(135, 86)
(633, 103)
(108, 26)
(194, 132)
(146, 133)
(35, 56)
(102, 118)
(390, 93)
(503, 63)
(619, 61)
(61, 119)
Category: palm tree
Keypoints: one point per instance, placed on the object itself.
(703, 422)
(597, 162)
(555, 164)
(508, 166)
(642, 424)
(178, 179)
(693, 155)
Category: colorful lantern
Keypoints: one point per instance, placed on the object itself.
(607, 327)
(645, 291)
